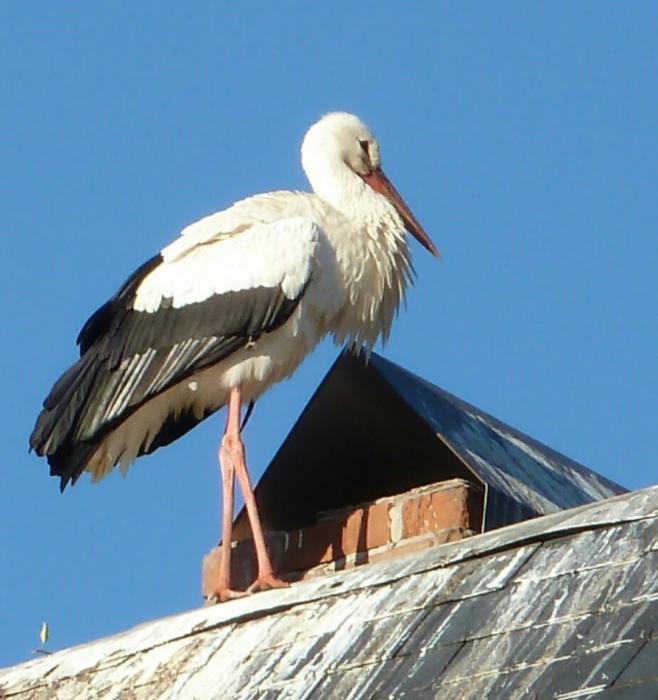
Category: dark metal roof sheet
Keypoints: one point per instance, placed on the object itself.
(562, 606)
(373, 429)
(531, 477)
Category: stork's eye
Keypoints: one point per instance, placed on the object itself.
(365, 146)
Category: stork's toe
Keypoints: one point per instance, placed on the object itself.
(266, 583)
(223, 595)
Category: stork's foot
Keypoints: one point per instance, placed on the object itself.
(266, 583)
(224, 594)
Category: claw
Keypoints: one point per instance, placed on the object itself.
(267, 583)
(223, 595)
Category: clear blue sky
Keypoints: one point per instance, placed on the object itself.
(523, 135)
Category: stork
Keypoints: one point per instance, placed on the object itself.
(232, 306)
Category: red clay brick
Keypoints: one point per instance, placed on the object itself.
(435, 511)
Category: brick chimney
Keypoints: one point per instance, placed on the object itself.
(368, 532)
(382, 462)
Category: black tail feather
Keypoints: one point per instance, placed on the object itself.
(69, 462)
(54, 432)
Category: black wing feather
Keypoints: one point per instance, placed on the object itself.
(100, 320)
(94, 396)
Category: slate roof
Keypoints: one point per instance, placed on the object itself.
(561, 606)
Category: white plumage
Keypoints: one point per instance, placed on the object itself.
(280, 252)
(233, 306)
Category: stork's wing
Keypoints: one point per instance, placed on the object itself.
(174, 316)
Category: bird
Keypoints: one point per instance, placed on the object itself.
(229, 308)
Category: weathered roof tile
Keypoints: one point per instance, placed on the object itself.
(565, 606)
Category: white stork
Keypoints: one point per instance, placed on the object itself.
(228, 309)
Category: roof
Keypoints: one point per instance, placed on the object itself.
(372, 429)
(560, 606)
(515, 467)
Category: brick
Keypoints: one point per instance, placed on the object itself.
(434, 511)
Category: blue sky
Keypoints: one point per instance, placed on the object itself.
(523, 136)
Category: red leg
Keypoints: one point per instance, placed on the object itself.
(266, 578)
(223, 590)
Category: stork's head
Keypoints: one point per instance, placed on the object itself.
(341, 142)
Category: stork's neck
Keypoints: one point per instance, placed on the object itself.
(338, 185)
(371, 252)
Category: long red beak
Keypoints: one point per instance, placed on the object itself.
(382, 185)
